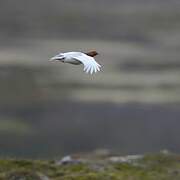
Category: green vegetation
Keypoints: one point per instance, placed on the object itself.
(15, 126)
(150, 167)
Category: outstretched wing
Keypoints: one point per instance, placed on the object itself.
(90, 65)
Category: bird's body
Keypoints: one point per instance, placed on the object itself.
(76, 58)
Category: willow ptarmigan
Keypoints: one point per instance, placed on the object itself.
(76, 58)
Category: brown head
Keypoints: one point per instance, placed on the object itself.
(92, 53)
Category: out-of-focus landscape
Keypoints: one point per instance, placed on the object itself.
(52, 109)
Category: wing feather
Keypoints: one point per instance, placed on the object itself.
(90, 65)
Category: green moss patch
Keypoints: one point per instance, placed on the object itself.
(150, 167)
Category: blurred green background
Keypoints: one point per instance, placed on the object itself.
(52, 109)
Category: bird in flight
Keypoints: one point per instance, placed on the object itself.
(76, 58)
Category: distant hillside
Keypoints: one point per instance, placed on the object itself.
(102, 19)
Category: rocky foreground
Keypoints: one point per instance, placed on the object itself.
(160, 166)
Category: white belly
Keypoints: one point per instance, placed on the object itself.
(73, 61)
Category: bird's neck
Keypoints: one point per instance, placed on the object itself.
(92, 54)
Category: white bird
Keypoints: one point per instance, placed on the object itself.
(76, 58)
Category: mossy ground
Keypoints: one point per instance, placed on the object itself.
(150, 167)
